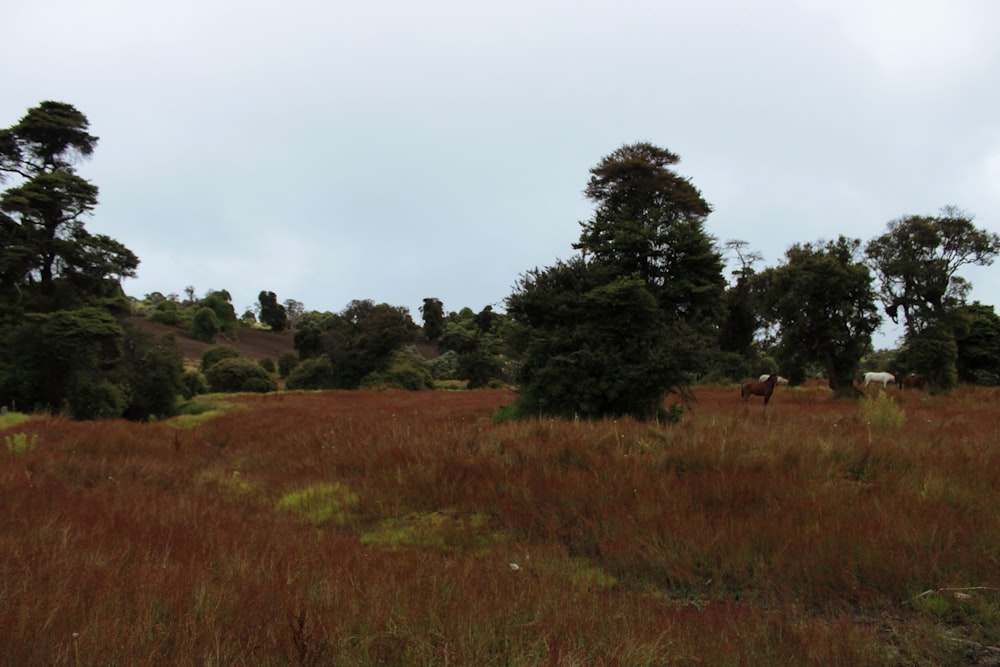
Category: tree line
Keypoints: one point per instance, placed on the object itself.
(641, 312)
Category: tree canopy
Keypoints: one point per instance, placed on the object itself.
(650, 223)
(612, 331)
(917, 261)
(358, 342)
(49, 259)
(60, 294)
(823, 299)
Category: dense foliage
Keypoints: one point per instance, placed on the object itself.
(917, 261)
(612, 331)
(61, 303)
(236, 374)
(358, 341)
(822, 297)
(643, 311)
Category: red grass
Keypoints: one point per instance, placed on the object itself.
(799, 535)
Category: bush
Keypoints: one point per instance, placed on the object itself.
(194, 384)
(205, 325)
(986, 378)
(444, 367)
(287, 363)
(239, 375)
(407, 370)
(217, 353)
(96, 400)
(314, 373)
(882, 414)
(166, 313)
(267, 364)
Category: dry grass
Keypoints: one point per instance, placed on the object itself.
(393, 528)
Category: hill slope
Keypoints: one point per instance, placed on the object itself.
(251, 343)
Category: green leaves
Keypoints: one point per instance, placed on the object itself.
(824, 301)
(917, 261)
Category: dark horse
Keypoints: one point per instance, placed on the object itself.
(756, 388)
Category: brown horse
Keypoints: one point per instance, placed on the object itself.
(757, 388)
(914, 381)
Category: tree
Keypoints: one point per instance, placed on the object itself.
(272, 313)
(591, 344)
(649, 222)
(220, 302)
(823, 301)
(153, 372)
(742, 318)
(612, 331)
(433, 313)
(48, 259)
(205, 325)
(294, 310)
(917, 261)
(357, 341)
(61, 303)
(979, 345)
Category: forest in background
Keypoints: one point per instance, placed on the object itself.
(641, 313)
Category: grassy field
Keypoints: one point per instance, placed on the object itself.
(395, 528)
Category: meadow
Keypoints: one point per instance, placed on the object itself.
(407, 528)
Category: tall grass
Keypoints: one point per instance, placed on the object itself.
(401, 528)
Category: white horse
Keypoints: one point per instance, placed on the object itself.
(781, 381)
(883, 378)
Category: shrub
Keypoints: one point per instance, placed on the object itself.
(238, 374)
(96, 400)
(407, 370)
(444, 367)
(882, 414)
(314, 373)
(166, 313)
(194, 383)
(152, 371)
(19, 443)
(205, 325)
(267, 364)
(986, 378)
(217, 353)
(287, 363)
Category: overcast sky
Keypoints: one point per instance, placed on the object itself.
(394, 150)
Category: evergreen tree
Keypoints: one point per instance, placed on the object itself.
(61, 303)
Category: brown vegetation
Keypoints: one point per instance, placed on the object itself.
(405, 528)
(254, 344)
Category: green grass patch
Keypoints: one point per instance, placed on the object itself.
(199, 410)
(19, 443)
(441, 531)
(450, 385)
(321, 504)
(12, 419)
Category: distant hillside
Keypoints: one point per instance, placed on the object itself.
(250, 343)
